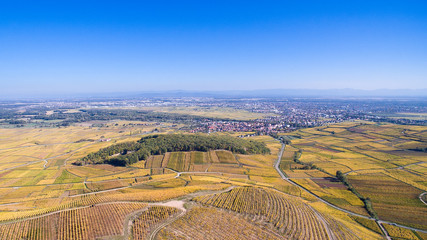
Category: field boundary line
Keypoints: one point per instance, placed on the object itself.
(276, 166)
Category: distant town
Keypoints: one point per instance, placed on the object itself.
(271, 115)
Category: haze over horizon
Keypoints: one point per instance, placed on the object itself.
(50, 47)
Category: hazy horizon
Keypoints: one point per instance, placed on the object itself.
(53, 48)
(263, 93)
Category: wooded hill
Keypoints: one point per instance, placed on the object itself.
(131, 152)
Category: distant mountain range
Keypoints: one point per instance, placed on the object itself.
(263, 93)
(292, 93)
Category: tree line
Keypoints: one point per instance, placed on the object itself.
(367, 201)
(123, 154)
(123, 114)
(85, 115)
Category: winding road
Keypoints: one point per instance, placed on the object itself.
(277, 168)
(380, 222)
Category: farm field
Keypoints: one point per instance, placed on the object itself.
(224, 113)
(145, 223)
(277, 209)
(391, 198)
(213, 120)
(222, 193)
(380, 161)
(285, 214)
(211, 223)
(83, 223)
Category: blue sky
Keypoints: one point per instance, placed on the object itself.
(118, 46)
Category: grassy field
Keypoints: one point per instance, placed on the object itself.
(213, 112)
(411, 116)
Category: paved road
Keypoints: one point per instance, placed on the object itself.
(169, 221)
(63, 210)
(178, 174)
(387, 236)
(325, 224)
(284, 177)
(421, 197)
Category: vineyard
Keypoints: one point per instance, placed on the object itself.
(400, 233)
(130, 194)
(392, 199)
(371, 224)
(210, 223)
(290, 217)
(192, 161)
(384, 163)
(144, 224)
(82, 223)
(226, 194)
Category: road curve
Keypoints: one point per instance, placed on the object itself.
(164, 224)
(421, 197)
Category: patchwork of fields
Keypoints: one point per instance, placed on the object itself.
(233, 196)
(382, 162)
(192, 161)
